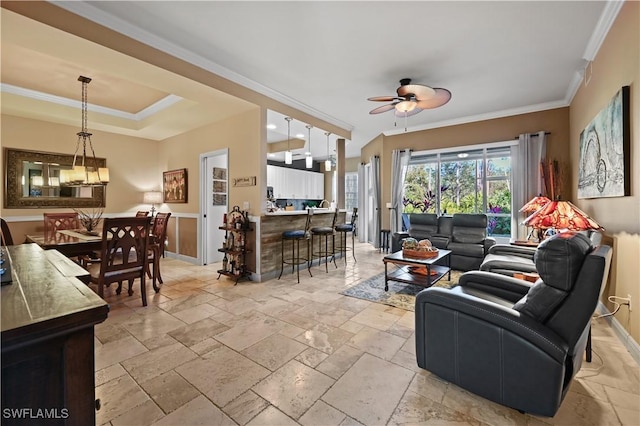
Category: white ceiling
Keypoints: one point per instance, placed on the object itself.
(326, 58)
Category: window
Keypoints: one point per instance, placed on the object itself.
(474, 180)
(350, 191)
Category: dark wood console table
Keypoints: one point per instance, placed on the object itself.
(48, 316)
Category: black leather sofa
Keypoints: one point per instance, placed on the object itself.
(512, 342)
(464, 234)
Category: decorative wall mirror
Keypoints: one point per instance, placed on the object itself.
(32, 180)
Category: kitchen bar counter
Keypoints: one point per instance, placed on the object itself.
(300, 212)
(272, 225)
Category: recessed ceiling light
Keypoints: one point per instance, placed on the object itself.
(463, 155)
(299, 136)
(271, 126)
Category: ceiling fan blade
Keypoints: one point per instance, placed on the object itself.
(441, 97)
(409, 113)
(383, 98)
(418, 90)
(383, 108)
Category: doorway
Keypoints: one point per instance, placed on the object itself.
(213, 201)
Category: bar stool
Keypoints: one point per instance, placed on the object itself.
(344, 228)
(325, 231)
(384, 240)
(295, 236)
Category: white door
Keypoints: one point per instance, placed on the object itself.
(214, 205)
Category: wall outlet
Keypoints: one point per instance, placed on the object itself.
(245, 205)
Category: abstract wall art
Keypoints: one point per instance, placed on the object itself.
(605, 161)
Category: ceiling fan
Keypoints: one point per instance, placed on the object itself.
(411, 99)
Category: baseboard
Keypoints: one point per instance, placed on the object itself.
(182, 257)
(622, 334)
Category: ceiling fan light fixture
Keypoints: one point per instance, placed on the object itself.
(411, 99)
(406, 106)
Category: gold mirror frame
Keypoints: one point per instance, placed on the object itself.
(14, 199)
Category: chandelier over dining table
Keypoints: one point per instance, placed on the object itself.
(85, 170)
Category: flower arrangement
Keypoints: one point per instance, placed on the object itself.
(90, 220)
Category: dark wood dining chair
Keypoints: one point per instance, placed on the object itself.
(156, 247)
(123, 256)
(142, 213)
(54, 222)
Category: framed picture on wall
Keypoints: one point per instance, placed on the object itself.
(604, 168)
(174, 186)
(219, 186)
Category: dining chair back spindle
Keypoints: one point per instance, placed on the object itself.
(123, 255)
(156, 247)
(54, 222)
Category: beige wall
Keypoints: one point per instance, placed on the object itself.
(132, 162)
(241, 135)
(555, 121)
(136, 165)
(617, 64)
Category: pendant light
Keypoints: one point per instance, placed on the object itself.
(83, 173)
(288, 156)
(308, 158)
(327, 163)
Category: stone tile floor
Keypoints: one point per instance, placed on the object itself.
(277, 353)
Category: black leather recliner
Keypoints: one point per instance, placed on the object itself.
(509, 259)
(515, 343)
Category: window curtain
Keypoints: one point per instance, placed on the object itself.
(527, 181)
(362, 199)
(375, 184)
(399, 162)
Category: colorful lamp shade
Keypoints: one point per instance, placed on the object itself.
(561, 215)
(536, 203)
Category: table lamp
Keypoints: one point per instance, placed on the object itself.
(560, 216)
(536, 203)
(153, 198)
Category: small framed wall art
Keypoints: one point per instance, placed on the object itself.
(175, 186)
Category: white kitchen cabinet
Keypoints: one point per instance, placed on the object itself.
(295, 184)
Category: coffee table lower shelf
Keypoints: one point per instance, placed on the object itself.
(402, 274)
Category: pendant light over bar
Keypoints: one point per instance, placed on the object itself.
(327, 163)
(82, 173)
(308, 157)
(288, 156)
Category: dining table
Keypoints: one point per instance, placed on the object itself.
(70, 242)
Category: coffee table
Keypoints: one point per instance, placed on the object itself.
(403, 264)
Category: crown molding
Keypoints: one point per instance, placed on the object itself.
(481, 117)
(607, 18)
(154, 108)
(85, 10)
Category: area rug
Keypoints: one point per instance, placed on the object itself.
(400, 295)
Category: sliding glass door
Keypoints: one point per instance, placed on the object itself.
(462, 181)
